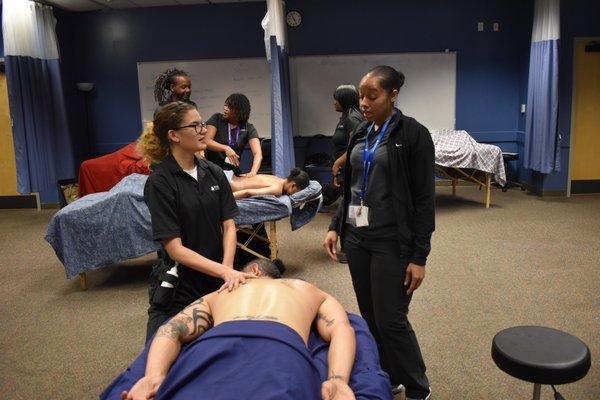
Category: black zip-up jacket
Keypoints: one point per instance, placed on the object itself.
(412, 159)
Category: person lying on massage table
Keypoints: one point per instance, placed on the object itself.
(273, 304)
(264, 184)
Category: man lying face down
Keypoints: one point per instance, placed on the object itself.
(253, 344)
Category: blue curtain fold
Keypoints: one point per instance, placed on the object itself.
(542, 139)
(43, 149)
(282, 138)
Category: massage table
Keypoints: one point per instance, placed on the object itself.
(110, 227)
(255, 373)
(459, 157)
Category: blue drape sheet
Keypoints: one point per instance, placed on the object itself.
(259, 360)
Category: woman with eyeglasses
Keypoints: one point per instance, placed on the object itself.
(385, 223)
(229, 132)
(192, 209)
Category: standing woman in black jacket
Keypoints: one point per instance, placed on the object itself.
(385, 223)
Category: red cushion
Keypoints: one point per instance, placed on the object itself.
(102, 173)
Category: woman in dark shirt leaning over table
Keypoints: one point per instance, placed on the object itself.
(192, 209)
(229, 132)
(385, 223)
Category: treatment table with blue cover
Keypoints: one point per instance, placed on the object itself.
(259, 360)
(110, 227)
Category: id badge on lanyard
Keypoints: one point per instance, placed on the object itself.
(361, 213)
(231, 142)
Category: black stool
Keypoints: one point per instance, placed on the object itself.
(543, 356)
(506, 157)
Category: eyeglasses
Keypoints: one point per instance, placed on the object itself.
(197, 127)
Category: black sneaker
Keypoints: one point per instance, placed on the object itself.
(342, 258)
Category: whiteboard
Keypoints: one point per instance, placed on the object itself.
(428, 94)
(212, 82)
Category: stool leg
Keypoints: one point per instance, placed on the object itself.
(537, 390)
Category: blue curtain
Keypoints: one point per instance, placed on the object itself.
(542, 139)
(42, 142)
(282, 139)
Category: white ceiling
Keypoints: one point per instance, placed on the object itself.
(90, 5)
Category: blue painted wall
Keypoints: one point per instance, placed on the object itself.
(492, 67)
(104, 48)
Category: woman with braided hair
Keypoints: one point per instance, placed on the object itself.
(173, 85)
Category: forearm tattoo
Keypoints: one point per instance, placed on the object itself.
(328, 322)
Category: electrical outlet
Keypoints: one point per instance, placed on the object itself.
(480, 26)
(523, 108)
(496, 27)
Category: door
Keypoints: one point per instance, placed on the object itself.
(585, 149)
(8, 169)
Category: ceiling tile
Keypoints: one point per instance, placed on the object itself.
(154, 3)
(76, 5)
(186, 2)
(90, 5)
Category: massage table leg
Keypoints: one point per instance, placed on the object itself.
(488, 190)
(83, 281)
(273, 239)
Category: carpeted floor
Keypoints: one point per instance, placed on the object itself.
(526, 260)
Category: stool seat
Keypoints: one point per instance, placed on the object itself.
(541, 355)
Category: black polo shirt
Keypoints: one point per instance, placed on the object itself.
(194, 210)
(247, 132)
(344, 129)
(378, 196)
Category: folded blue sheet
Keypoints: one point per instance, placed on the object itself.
(259, 360)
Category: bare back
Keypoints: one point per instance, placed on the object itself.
(288, 301)
(256, 182)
